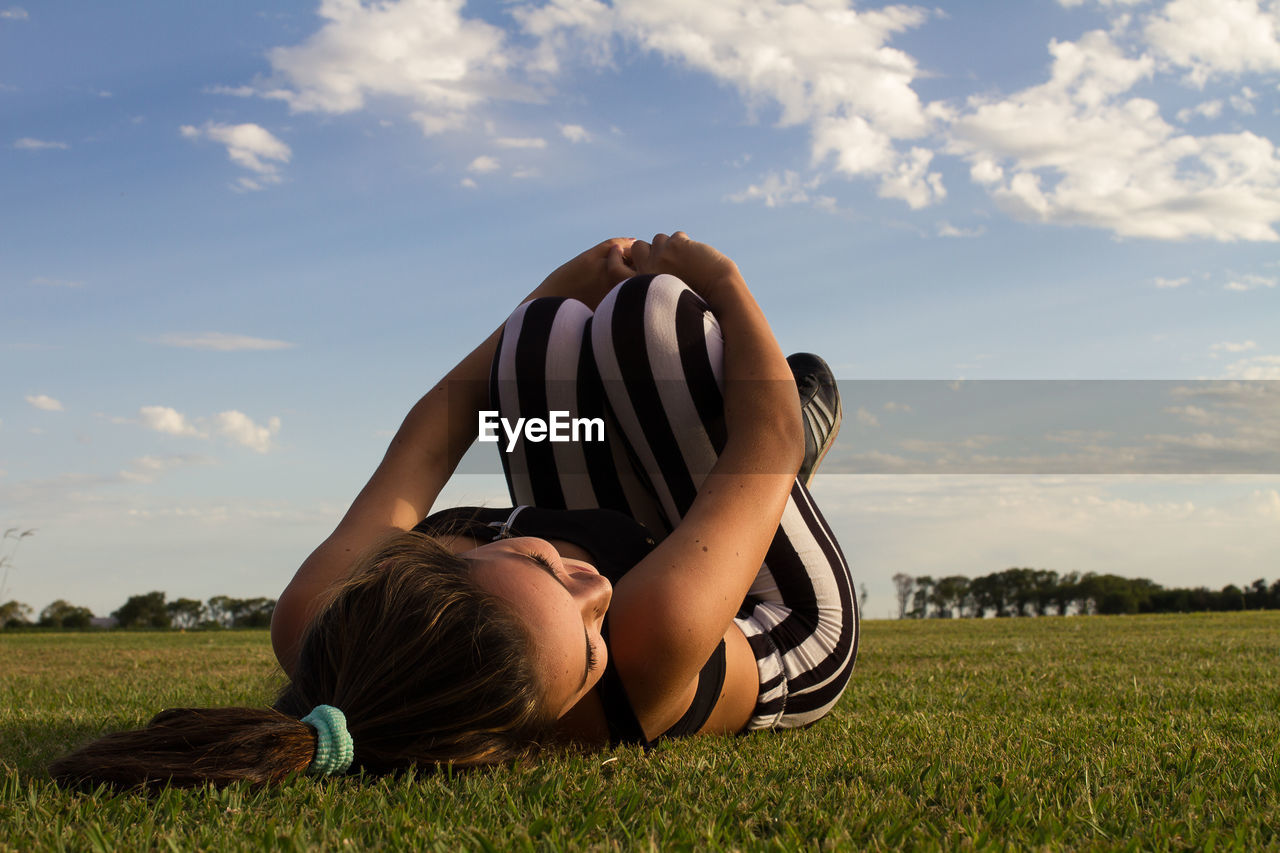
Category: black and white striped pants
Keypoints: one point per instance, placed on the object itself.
(649, 363)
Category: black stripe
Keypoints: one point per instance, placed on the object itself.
(695, 363)
(629, 344)
(531, 396)
(772, 683)
(598, 455)
(793, 578)
(495, 404)
(761, 646)
(845, 647)
(814, 700)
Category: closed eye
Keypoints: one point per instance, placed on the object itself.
(592, 661)
(542, 561)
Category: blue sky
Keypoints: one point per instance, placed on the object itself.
(237, 241)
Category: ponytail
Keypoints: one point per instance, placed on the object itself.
(186, 747)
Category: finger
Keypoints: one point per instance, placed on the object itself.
(640, 251)
(659, 242)
(616, 265)
(618, 255)
(624, 247)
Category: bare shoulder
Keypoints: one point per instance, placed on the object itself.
(660, 710)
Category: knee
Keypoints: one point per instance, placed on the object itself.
(648, 304)
(537, 316)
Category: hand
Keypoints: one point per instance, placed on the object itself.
(700, 266)
(592, 274)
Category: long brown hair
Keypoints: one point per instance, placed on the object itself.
(428, 668)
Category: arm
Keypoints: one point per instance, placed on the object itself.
(424, 453)
(699, 575)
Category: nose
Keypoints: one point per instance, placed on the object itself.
(592, 591)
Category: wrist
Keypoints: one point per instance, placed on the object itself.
(723, 289)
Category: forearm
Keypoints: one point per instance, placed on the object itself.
(761, 405)
(434, 436)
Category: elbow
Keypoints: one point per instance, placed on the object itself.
(771, 443)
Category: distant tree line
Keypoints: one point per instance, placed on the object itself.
(1042, 592)
(149, 611)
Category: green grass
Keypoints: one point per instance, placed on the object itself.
(1146, 732)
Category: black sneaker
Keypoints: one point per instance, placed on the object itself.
(820, 404)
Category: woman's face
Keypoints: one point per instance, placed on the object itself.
(562, 601)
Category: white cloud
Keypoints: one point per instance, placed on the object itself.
(946, 229)
(520, 142)
(56, 282)
(1207, 109)
(484, 164)
(788, 188)
(233, 425)
(27, 143)
(1232, 346)
(145, 469)
(893, 406)
(233, 91)
(167, 420)
(44, 402)
(1169, 283)
(220, 341)
(1258, 367)
(248, 145)
(575, 133)
(1078, 150)
(822, 64)
(1243, 102)
(468, 183)
(776, 190)
(241, 429)
(1251, 282)
(420, 51)
(1073, 3)
(14, 13)
(985, 171)
(1216, 37)
(1195, 415)
(865, 417)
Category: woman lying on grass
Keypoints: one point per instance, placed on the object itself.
(672, 577)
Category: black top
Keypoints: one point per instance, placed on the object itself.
(616, 542)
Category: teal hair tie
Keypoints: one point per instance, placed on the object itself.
(334, 747)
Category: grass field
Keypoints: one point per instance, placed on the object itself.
(1140, 732)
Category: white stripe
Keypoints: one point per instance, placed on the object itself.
(564, 349)
(679, 407)
(509, 401)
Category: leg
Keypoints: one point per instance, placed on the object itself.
(660, 355)
(544, 363)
